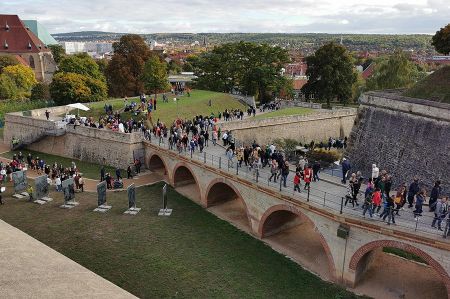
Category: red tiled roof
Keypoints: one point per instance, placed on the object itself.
(21, 60)
(298, 83)
(18, 37)
(368, 71)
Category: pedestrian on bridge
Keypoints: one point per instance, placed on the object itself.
(440, 212)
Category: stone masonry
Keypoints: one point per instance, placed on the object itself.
(407, 137)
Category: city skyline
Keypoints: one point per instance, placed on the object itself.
(265, 16)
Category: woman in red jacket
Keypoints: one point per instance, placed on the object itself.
(376, 199)
(307, 176)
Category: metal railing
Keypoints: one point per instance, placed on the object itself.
(314, 195)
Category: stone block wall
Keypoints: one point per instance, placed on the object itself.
(318, 127)
(93, 145)
(407, 137)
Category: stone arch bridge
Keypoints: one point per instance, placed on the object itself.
(306, 231)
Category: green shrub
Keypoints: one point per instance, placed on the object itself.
(324, 156)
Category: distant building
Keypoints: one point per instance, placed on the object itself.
(368, 72)
(296, 69)
(18, 40)
(92, 48)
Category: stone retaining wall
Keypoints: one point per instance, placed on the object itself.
(405, 136)
(304, 128)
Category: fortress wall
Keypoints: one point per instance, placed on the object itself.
(407, 137)
(93, 145)
(317, 126)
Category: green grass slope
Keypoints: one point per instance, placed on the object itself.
(435, 87)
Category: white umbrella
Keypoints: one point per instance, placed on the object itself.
(79, 106)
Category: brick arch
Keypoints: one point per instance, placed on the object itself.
(238, 194)
(162, 160)
(182, 164)
(363, 250)
(283, 207)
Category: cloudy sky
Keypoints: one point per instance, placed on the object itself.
(291, 16)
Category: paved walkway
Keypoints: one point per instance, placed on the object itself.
(30, 269)
(326, 193)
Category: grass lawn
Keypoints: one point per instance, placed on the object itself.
(1, 133)
(188, 107)
(191, 254)
(285, 112)
(89, 170)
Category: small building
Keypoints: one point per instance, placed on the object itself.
(18, 40)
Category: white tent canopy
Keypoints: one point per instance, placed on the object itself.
(79, 106)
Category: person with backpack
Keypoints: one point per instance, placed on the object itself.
(389, 210)
(273, 170)
(400, 199)
(284, 173)
(440, 213)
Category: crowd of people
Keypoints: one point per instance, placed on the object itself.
(379, 198)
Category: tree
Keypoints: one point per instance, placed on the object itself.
(23, 76)
(58, 52)
(8, 88)
(125, 69)
(7, 60)
(395, 72)
(40, 91)
(81, 64)
(252, 68)
(154, 75)
(331, 74)
(441, 40)
(69, 88)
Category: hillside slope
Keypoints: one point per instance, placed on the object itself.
(435, 87)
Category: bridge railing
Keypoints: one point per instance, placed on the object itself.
(316, 196)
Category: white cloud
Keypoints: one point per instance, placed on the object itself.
(147, 16)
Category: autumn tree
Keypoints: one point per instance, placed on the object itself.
(58, 52)
(22, 76)
(331, 74)
(7, 60)
(397, 71)
(441, 40)
(154, 75)
(69, 88)
(81, 64)
(126, 67)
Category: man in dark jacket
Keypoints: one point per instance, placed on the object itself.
(345, 168)
(434, 195)
(412, 191)
(316, 169)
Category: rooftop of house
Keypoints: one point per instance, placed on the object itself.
(15, 37)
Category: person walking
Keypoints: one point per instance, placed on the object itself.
(118, 174)
(412, 191)
(102, 174)
(389, 209)
(285, 173)
(434, 195)
(81, 183)
(129, 176)
(316, 169)
(420, 199)
(345, 169)
(297, 179)
(307, 175)
(273, 170)
(368, 204)
(30, 193)
(376, 200)
(440, 212)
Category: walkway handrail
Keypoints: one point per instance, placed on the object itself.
(316, 196)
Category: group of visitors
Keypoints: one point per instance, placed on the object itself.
(380, 196)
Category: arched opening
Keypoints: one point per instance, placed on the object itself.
(31, 61)
(290, 232)
(185, 183)
(156, 164)
(158, 167)
(391, 269)
(225, 201)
